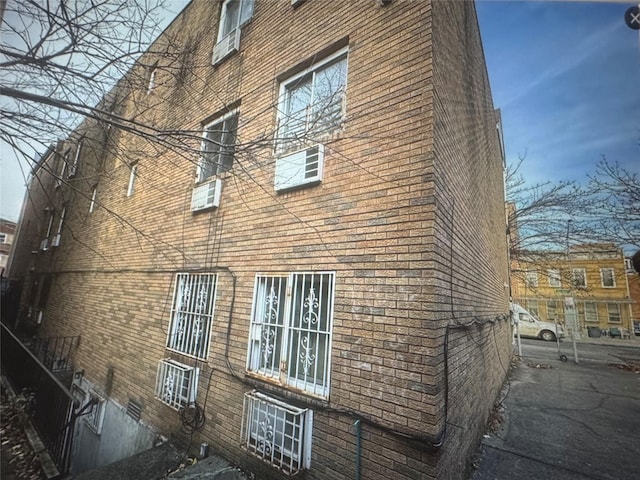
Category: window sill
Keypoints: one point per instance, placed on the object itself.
(285, 391)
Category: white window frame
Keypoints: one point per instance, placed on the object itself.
(591, 312)
(94, 194)
(63, 168)
(582, 277)
(192, 313)
(176, 396)
(152, 78)
(76, 160)
(132, 179)
(95, 416)
(603, 275)
(299, 325)
(615, 314)
(555, 279)
(245, 13)
(533, 307)
(220, 167)
(284, 144)
(555, 310)
(55, 242)
(531, 279)
(276, 432)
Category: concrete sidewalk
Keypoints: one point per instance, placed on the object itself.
(563, 421)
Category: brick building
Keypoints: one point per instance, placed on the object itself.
(7, 235)
(594, 275)
(325, 265)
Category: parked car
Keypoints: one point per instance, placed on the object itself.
(528, 325)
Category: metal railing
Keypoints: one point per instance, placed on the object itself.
(50, 404)
(54, 352)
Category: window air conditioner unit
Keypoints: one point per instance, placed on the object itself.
(44, 245)
(72, 171)
(226, 46)
(55, 241)
(206, 195)
(299, 168)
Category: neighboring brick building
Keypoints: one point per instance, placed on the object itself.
(592, 274)
(7, 234)
(633, 279)
(341, 256)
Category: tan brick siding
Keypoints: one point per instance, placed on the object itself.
(409, 215)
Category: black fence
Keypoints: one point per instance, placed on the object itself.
(48, 400)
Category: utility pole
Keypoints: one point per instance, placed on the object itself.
(569, 304)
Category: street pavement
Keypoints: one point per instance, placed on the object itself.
(567, 421)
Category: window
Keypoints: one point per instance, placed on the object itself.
(278, 433)
(531, 279)
(152, 78)
(55, 241)
(291, 324)
(176, 383)
(44, 244)
(192, 314)
(628, 265)
(218, 147)
(312, 102)
(608, 277)
(235, 13)
(579, 277)
(552, 310)
(3, 238)
(94, 194)
(590, 312)
(76, 159)
(132, 179)
(532, 306)
(613, 310)
(95, 416)
(554, 278)
(63, 168)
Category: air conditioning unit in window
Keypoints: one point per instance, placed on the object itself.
(44, 245)
(206, 195)
(176, 383)
(299, 168)
(72, 171)
(226, 46)
(55, 241)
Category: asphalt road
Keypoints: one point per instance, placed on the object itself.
(588, 353)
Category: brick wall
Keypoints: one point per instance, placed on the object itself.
(470, 241)
(409, 215)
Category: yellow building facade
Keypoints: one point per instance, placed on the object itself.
(590, 278)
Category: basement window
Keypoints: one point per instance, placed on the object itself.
(276, 432)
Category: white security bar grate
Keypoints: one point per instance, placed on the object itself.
(176, 383)
(278, 433)
(192, 314)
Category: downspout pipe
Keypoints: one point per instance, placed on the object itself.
(358, 425)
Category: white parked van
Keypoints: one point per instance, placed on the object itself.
(530, 326)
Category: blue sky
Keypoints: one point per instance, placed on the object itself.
(566, 76)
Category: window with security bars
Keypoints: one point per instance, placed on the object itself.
(278, 433)
(192, 314)
(176, 383)
(291, 325)
(312, 102)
